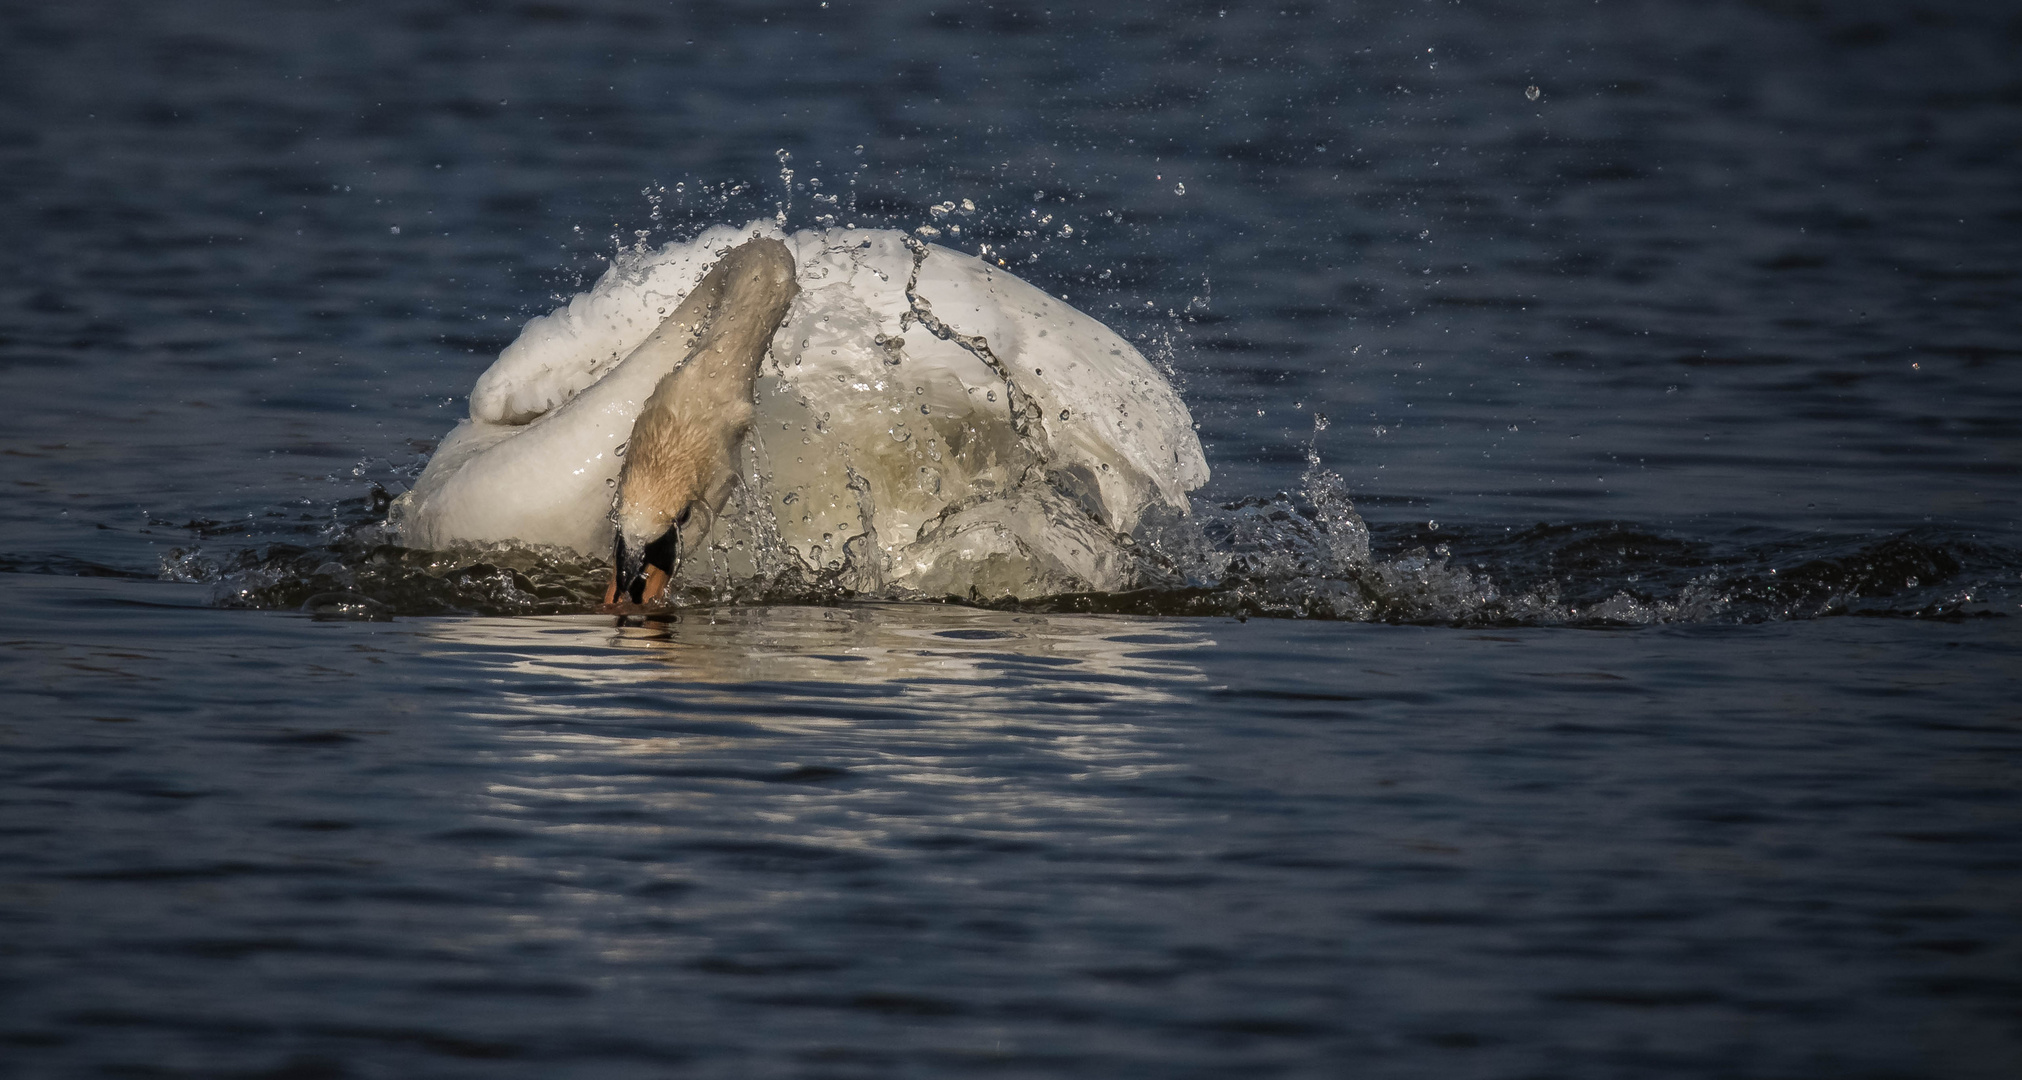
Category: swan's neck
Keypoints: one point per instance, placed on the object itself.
(682, 446)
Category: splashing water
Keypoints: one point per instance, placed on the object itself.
(1304, 554)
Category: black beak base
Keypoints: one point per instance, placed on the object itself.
(631, 566)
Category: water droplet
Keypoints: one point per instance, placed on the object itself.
(1063, 414)
(1432, 526)
(1533, 93)
(991, 395)
(790, 498)
(619, 450)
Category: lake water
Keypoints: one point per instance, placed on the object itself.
(1671, 729)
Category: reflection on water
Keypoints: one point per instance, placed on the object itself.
(953, 653)
(924, 840)
(669, 715)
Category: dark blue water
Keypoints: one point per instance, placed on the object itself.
(1670, 731)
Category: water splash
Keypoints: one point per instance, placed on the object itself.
(1304, 554)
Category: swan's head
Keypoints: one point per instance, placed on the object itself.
(643, 567)
(676, 478)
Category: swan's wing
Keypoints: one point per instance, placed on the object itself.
(548, 480)
(558, 354)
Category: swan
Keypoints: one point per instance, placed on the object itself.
(907, 419)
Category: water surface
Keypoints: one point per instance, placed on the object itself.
(913, 841)
(1668, 727)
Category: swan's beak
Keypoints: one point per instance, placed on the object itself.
(638, 576)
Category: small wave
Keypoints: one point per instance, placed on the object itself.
(1304, 554)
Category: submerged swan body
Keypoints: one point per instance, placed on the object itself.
(922, 423)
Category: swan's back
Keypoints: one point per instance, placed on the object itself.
(975, 431)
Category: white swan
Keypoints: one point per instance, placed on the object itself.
(922, 423)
